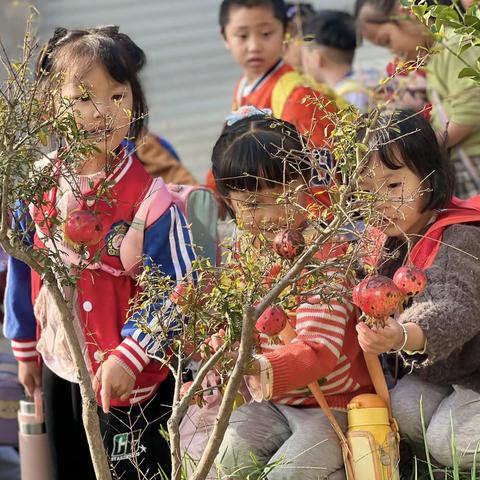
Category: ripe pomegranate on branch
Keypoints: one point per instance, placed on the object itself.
(289, 243)
(379, 297)
(272, 321)
(410, 280)
(83, 227)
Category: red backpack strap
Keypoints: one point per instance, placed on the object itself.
(458, 211)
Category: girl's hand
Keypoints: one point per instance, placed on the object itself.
(115, 382)
(30, 376)
(380, 340)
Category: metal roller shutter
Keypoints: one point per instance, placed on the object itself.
(189, 76)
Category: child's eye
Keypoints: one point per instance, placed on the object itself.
(266, 34)
(394, 185)
(242, 36)
(117, 98)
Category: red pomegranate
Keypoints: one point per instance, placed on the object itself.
(410, 280)
(289, 243)
(83, 227)
(378, 298)
(272, 321)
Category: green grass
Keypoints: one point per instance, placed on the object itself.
(413, 468)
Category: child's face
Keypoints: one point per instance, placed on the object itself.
(101, 106)
(254, 36)
(270, 209)
(405, 37)
(400, 197)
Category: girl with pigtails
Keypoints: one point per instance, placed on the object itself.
(98, 73)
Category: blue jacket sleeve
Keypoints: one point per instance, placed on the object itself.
(20, 324)
(168, 246)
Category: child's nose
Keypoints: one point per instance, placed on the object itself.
(102, 110)
(254, 43)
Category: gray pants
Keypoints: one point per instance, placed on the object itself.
(442, 405)
(299, 441)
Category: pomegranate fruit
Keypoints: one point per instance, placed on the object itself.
(289, 243)
(410, 280)
(378, 297)
(272, 321)
(83, 227)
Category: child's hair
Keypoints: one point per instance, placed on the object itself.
(384, 9)
(80, 49)
(278, 7)
(405, 138)
(259, 152)
(333, 29)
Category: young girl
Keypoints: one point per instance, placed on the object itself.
(438, 333)
(99, 70)
(455, 101)
(255, 161)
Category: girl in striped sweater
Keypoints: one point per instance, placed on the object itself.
(256, 161)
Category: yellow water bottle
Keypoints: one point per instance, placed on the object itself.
(372, 440)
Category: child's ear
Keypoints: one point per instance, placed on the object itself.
(226, 43)
(226, 205)
(228, 202)
(320, 58)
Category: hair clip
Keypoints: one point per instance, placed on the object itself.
(291, 11)
(245, 112)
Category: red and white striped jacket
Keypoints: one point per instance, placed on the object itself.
(326, 350)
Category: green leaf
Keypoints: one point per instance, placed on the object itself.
(468, 72)
(463, 49)
(470, 20)
(43, 136)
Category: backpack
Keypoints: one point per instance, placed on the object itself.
(200, 207)
(458, 211)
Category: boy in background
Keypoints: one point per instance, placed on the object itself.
(254, 31)
(328, 53)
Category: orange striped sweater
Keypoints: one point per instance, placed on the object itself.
(326, 349)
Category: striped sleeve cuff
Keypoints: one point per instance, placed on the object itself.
(260, 386)
(130, 353)
(25, 350)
